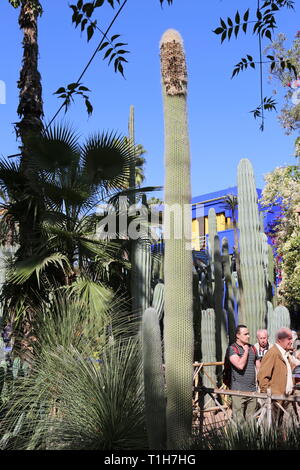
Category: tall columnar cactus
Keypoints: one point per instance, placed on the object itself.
(251, 257)
(277, 318)
(212, 231)
(229, 297)
(196, 315)
(154, 386)
(140, 248)
(221, 334)
(178, 321)
(208, 344)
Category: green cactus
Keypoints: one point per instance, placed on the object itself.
(221, 333)
(158, 299)
(229, 300)
(154, 386)
(277, 318)
(196, 316)
(251, 253)
(178, 320)
(208, 344)
(140, 248)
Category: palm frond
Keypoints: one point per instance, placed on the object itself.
(36, 264)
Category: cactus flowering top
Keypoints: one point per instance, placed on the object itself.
(173, 66)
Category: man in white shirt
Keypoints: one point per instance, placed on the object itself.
(262, 346)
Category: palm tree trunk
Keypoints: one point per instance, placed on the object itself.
(30, 107)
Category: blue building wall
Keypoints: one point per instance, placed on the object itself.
(202, 204)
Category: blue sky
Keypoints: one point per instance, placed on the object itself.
(222, 131)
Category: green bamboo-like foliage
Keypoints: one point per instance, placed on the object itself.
(277, 318)
(154, 386)
(229, 301)
(178, 323)
(251, 253)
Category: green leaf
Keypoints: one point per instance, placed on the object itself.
(223, 37)
(89, 107)
(108, 52)
(258, 14)
(223, 23)
(72, 86)
(237, 18)
(115, 36)
(120, 68)
(236, 30)
(88, 8)
(99, 3)
(246, 15)
(268, 34)
(79, 4)
(83, 23)
(90, 32)
(111, 57)
(229, 21)
(218, 31)
(245, 27)
(60, 90)
(103, 45)
(84, 88)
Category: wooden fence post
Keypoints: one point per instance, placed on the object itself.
(269, 408)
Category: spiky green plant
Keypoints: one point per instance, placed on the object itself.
(251, 253)
(85, 389)
(178, 323)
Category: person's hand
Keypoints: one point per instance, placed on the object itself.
(246, 347)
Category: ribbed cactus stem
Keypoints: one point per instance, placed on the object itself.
(154, 385)
(251, 253)
(221, 334)
(208, 344)
(277, 318)
(178, 320)
(229, 299)
(132, 146)
(158, 300)
(212, 231)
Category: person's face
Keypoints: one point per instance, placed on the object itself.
(262, 339)
(243, 336)
(286, 343)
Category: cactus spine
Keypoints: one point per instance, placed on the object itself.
(251, 256)
(154, 387)
(178, 320)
